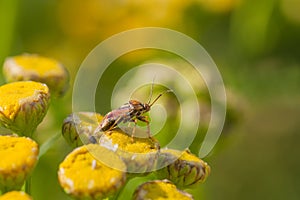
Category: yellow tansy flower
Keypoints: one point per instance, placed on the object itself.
(37, 68)
(18, 158)
(23, 106)
(83, 176)
(183, 168)
(139, 154)
(160, 190)
(15, 195)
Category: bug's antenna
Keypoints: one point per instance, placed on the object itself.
(151, 90)
(160, 96)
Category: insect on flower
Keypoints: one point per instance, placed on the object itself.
(129, 112)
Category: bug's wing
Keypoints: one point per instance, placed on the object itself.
(113, 118)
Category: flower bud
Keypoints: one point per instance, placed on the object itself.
(83, 176)
(23, 106)
(79, 128)
(15, 195)
(33, 67)
(160, 189)
(18, 158)
(186, 170)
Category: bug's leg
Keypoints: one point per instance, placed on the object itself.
(129, 124)
(92, 139)
(134, 127)
(119, 120)
(145, 119)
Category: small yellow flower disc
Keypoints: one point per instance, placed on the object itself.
(133, 145)
(37, 68)
(23, 106)
(83, 176)
(160, 190)
(15, 195)
(139, 154)
(18, 158)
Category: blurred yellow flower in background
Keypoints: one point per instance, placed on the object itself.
(94, 20)
(32, 67)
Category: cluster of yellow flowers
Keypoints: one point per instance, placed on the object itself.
(117, 157)
(101, 163)
(23, 105)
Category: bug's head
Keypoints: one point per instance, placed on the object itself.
(146, 107)
(139, 106)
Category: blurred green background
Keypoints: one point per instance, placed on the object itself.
(255, 44)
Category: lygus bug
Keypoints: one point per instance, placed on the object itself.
(129, 112)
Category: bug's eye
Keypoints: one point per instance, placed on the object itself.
(146, 107)
(141, 107)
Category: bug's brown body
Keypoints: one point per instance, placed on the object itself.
(129, 112)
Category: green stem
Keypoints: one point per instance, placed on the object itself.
(28, 186)
(116, 196)
(48, 144)
(3, 191)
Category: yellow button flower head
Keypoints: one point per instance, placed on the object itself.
(83, 176)
(23, 106)
(186, 170)
(18, 158)
(139, 154)
(15, 195)
(79, 128)
(160, 190)
(37, 68)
